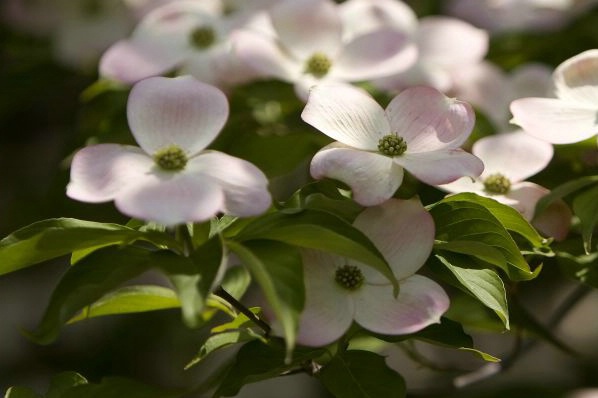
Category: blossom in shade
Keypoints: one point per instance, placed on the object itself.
(308, 45)
(420, 131)
(509, 159)
(171, 178)
(572, 116)
(340, 290)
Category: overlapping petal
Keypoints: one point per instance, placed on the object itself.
(421, 302)
(346, 114)
(555, 120)
(405, 243)
(372, 177)
(428, 120)
(245, 186)
(526, 194)
(180, 111)
(441, 167)
(515, 155)
(362, 16)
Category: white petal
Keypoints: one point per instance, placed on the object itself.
(376, 54)
(403, 231)
(362, 16)
(576, 79)
(171, 198)
(373, 178)
(245, 186)
(99, 172)
(421, 302)
(308, 26)
(555, 221)
(441, 167)
(328, 310)
(515, 155)
(464, 184)
(526, 195)
(346, 114)
(180, 111)
(428, 120)
(555, 120)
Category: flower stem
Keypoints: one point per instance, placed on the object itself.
(220, 292)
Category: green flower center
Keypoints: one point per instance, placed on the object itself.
(318, 65)
(392, 145)
(203, 37)
(349, 277)
(171, 158)
(497, 183)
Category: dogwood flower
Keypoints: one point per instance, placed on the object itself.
(308, 47)
(420, 130)
(171, 179)
(509, 159)
(340, 290)
(571, 117)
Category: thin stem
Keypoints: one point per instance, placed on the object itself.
(220, 292)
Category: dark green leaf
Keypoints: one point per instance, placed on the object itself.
(221, 340)
(484, 284)
(361, 374)
(52, 238)
(94, 276)
(322, 231)
(583, 268)
(21, 392)
(475, 249)
(62, 382)
(564, 190)
(585, 206)
(257, 361)
(116, 387)
(278, 269)
(130, 299)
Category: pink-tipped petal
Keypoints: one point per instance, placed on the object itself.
(374, 178)
(99, 172)
(441, 167)
(308, 26)
(245, 186)
(421, 302)
(576, 79)
(450, 42)
(178, 111)
(264, 55)
(346, 114)
(515, 155)
(555, 221)
(376, 54)
(403, 231)
(328, 310)
(428, 120)
(555, 120)
(526, 194)
(171, 198)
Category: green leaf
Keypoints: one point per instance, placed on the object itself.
(361, 374)
(564, 190)
(236, 281)
(62, 382)
(585, 206)
(484, 284)
(130, 299)
(116, 387)
(278, 269)
(475, 249)
(93, 277)
(322, 231)
(583, 268)
(466, 220)
(222, 340)
(483, 355)
(21, 392)
(52, 238)
(194, 278)
(256, 361)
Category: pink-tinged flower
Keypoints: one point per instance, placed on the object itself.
(339, 290)
(171, 179)
(420, 130)
(191, 37)
(572, 116)
(445, 46)
(509, 159)
(309, 47)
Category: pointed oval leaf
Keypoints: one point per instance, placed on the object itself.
(585, 206)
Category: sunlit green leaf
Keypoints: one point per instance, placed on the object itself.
(52, 238)
(361, 374)
(222, 340)
(21, 392)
